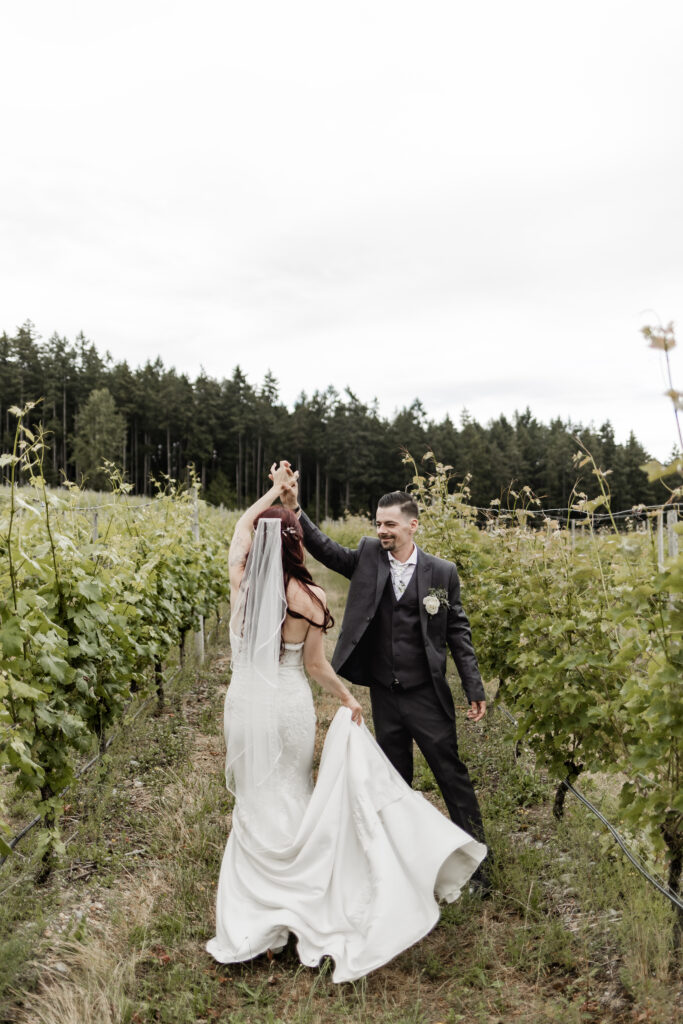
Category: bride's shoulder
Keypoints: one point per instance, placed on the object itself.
(300, 599)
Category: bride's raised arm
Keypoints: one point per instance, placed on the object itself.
(240, 545)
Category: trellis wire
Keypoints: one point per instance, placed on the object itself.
(626, 513)
(634, 859)
(81, 771)
(560, 514)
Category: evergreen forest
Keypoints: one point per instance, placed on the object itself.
(154, 422)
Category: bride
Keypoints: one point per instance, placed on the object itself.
(350, 865)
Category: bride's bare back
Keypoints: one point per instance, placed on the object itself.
(300, 602)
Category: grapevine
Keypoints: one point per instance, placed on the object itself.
(86, 622)
(585, 642)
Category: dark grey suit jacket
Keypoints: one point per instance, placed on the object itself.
(367, 566)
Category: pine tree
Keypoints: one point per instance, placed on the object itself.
(100, 434)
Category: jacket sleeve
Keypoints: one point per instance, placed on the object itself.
(459, 639)
(332, 555)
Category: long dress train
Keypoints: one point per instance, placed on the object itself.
(351, 865)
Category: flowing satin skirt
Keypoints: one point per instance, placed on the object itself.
(355, 862)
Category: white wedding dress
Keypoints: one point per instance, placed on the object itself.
(350, 865)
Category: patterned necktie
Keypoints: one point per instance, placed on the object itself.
(398, 572)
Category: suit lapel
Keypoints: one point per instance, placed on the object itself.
(382, 577)
(424, 582)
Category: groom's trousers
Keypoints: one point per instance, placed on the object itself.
(403, 715)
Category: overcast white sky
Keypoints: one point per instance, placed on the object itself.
(476, 204)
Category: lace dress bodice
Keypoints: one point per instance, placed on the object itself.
(291, 784)
(292, 655)
(296, 715)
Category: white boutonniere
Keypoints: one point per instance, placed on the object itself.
(435, 599)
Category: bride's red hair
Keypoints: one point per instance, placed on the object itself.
(293, 565)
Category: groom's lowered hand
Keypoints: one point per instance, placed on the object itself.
(477, 710)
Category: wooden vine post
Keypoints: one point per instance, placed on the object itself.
(660, 539)
(671, 535)
(199, 635)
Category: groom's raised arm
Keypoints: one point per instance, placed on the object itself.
(332, 555)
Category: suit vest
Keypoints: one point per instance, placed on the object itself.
(397, 649)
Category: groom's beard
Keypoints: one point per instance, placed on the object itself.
(388, 543)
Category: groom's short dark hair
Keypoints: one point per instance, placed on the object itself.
(405, 502)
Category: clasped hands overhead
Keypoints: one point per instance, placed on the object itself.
(286, 480)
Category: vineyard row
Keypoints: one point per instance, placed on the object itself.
(87, 620)
(585, 641)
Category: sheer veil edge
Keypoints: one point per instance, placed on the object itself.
(253, 743)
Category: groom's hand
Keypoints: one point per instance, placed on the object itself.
(288, 481)
(477, 710)
(289, 495)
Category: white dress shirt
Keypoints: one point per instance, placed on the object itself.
(401, 572)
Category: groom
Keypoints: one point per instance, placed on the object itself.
(403, 610)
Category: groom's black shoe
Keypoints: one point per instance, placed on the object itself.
(480, 884)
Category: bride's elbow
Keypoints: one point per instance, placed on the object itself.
(315, 667)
